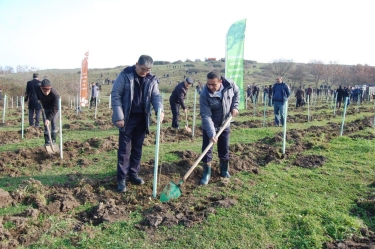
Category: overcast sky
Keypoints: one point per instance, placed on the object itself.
(55, 34)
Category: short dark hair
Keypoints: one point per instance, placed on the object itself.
(213, 75)
(145, 60)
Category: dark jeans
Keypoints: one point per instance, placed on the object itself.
(222, 146)
(279, 110)
(31, 117)
(175, 108)
(92, 100)
(299, 102)
(53, 125)
(130, 146)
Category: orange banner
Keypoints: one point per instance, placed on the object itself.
(84, 100)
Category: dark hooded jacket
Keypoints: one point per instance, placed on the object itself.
(50, 103)
(178, 95)
(30, 94)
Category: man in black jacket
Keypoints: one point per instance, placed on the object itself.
(177, 98)
(49, 98)
(30, 96)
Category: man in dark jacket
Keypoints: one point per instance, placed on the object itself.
(49, 98)
(218, 100)
(339, 96)
(177, 99)
(30, 95)
(280, 94)
(94, 94)
(308, 94)
(133, 92)
(300, 94)
(255, 93)
(270, 95)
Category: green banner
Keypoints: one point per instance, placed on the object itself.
(234, 56)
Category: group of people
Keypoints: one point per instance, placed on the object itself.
(42, 98)
(135, 92)
(252, 93)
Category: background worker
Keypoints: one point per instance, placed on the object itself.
(30, 96)
(177, 99)
(280, 94)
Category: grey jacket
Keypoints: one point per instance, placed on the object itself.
(122, 96)
(215, 111)
(94, 91)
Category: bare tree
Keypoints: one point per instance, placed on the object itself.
(316, 70)
(280, 67)
(8, 69)
(297, 75)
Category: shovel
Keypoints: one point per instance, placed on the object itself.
(173, 190)
(186, 126)
(51, 148)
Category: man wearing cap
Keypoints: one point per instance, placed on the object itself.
(30, 96)
(177, 98)
(49, 98)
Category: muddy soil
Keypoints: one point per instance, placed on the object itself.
(61, 200)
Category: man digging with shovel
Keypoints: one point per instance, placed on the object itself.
(218, 100)
(48, 98)
(177, 98)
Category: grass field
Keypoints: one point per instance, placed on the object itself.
(318, 193)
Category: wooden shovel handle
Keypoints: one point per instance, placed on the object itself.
(207, 148)
(45, 118)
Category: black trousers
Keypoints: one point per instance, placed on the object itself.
(175, 108)
(222, 146)
(130, 146)
(35, 122)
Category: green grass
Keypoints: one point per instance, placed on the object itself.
(284, 206)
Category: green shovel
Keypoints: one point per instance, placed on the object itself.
(173, 190)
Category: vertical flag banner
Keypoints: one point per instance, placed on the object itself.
(83, 86)
(234, 56)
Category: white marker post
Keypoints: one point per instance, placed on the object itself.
(61, 142)
(155, 185)
(284, 125)
(22, 116)
(194, 111)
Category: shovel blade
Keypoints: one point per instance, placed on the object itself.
(51, 149)
(187, 129)
(170, 191)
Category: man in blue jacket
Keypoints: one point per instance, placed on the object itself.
(133, 92)
(280, 94)
(178, 98)
(218, 100)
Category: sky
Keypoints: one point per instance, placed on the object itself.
(48, 34)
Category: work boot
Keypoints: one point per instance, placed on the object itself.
(121, 187)
(206, 173)
(46, 140)
(53, 137)
(135, 179)
(224, 169)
